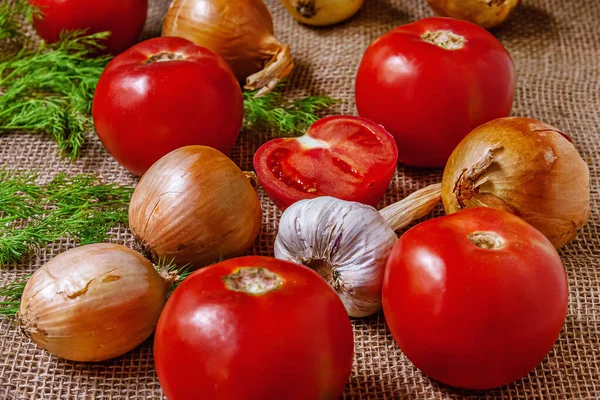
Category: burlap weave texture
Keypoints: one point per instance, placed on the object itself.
(556, 47)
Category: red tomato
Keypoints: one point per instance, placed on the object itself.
(123, 18)
(163, 94)
(350, 158)
(428, 96)
(475, 299)
(254, 328)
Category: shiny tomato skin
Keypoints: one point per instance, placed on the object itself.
(471, 317)
(143, 110)
(293, 343)
(123, 18)
(429, 97)
(342, 156)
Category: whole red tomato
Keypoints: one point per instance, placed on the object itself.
(431, 82)
(475, 299)
(350, 158)
(163, 94)
(123, 18)
(254, 328)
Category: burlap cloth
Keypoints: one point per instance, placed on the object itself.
(556, 47)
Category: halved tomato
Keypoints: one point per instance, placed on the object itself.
(347, 157)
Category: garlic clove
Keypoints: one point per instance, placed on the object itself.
(347, 243)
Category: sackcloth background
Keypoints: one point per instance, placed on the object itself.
(556, 47)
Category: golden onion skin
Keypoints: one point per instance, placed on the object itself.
(525, 167)
(322, 12)
(240, 31)
(92, 303)
(485, 13)
(195, 206)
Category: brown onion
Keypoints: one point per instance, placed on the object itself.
(93, 302)
(322, 12)
(525, 167)
(486, 13)
(195, 206)
(240, 31)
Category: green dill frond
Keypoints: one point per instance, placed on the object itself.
(11, 297)
(50, 90)
(80, 207)
(271, 111)
(11, 16)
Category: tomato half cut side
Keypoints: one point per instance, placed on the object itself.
(347, 157)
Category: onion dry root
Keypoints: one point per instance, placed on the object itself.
(240, 31)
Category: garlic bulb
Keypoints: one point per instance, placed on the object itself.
(348, 243)
(322, 12)
(486, 13)
(93, 302)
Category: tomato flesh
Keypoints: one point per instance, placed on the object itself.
(341, 156)
(288, 338)
(429, 96)
(475, 299)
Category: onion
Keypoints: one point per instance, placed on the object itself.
(486, 13)
(240, 31)
(525, 167)
(195, 206)
(322, 12)
(93, 302)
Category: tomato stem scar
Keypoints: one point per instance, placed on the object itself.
(253, 281)
(164, 56)
(444, 39)
(486, 240)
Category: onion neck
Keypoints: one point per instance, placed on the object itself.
(275, 70)
(417, 205)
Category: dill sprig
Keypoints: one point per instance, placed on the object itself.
(272, 111)
(12, 13)
(50, 89)
(80, 207)
(11, 297)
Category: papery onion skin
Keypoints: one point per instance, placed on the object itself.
(485, 13)
(195, 206)
(322, 12)
(92, 303)
(240, 31)
(525, 167)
